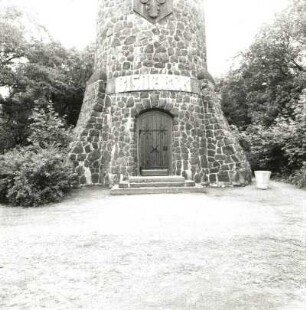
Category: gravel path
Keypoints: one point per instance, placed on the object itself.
(229, 249)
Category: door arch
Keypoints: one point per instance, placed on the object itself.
(154, 141)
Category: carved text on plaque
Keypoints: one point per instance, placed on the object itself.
(149, 82)
(153, 10)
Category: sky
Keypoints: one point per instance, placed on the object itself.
(230, 24)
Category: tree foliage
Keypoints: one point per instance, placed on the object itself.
(263, 96)
(40, 172)
(36, 72)
(33, 176)
(44, 83)
(48, 129)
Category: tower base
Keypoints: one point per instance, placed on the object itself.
(120, 135)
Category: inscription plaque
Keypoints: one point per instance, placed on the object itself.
(149, 82)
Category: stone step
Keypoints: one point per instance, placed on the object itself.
(124, 184)
(157, 184)
(155, 172)
(156, 179)
(189, 183)
(156, 190)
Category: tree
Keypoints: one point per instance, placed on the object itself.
(37, 71)
(263, 96)
(271, 74)
(48, 129)
(234, 100)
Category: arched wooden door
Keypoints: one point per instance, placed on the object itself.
(154, 141)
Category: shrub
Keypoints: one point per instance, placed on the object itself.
(279, 148)
(264, 148)
(34, 176)
(39, 173)
(298, 178)
(295, 140)
(10, 164)
(7, 139)
(47, 129)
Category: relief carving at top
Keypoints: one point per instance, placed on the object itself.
(153, 10)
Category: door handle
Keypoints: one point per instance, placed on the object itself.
(154, 149)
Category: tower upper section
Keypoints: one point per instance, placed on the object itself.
(151, 37)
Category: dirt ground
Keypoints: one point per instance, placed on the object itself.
(229, 249)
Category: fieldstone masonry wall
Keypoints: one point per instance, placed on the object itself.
(127, 44)
(105, 147)
(226, 163)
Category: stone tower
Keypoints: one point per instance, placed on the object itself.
(150, 106)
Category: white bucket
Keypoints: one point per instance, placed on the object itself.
(262, 179)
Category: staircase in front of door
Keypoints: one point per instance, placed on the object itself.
(156, 184)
